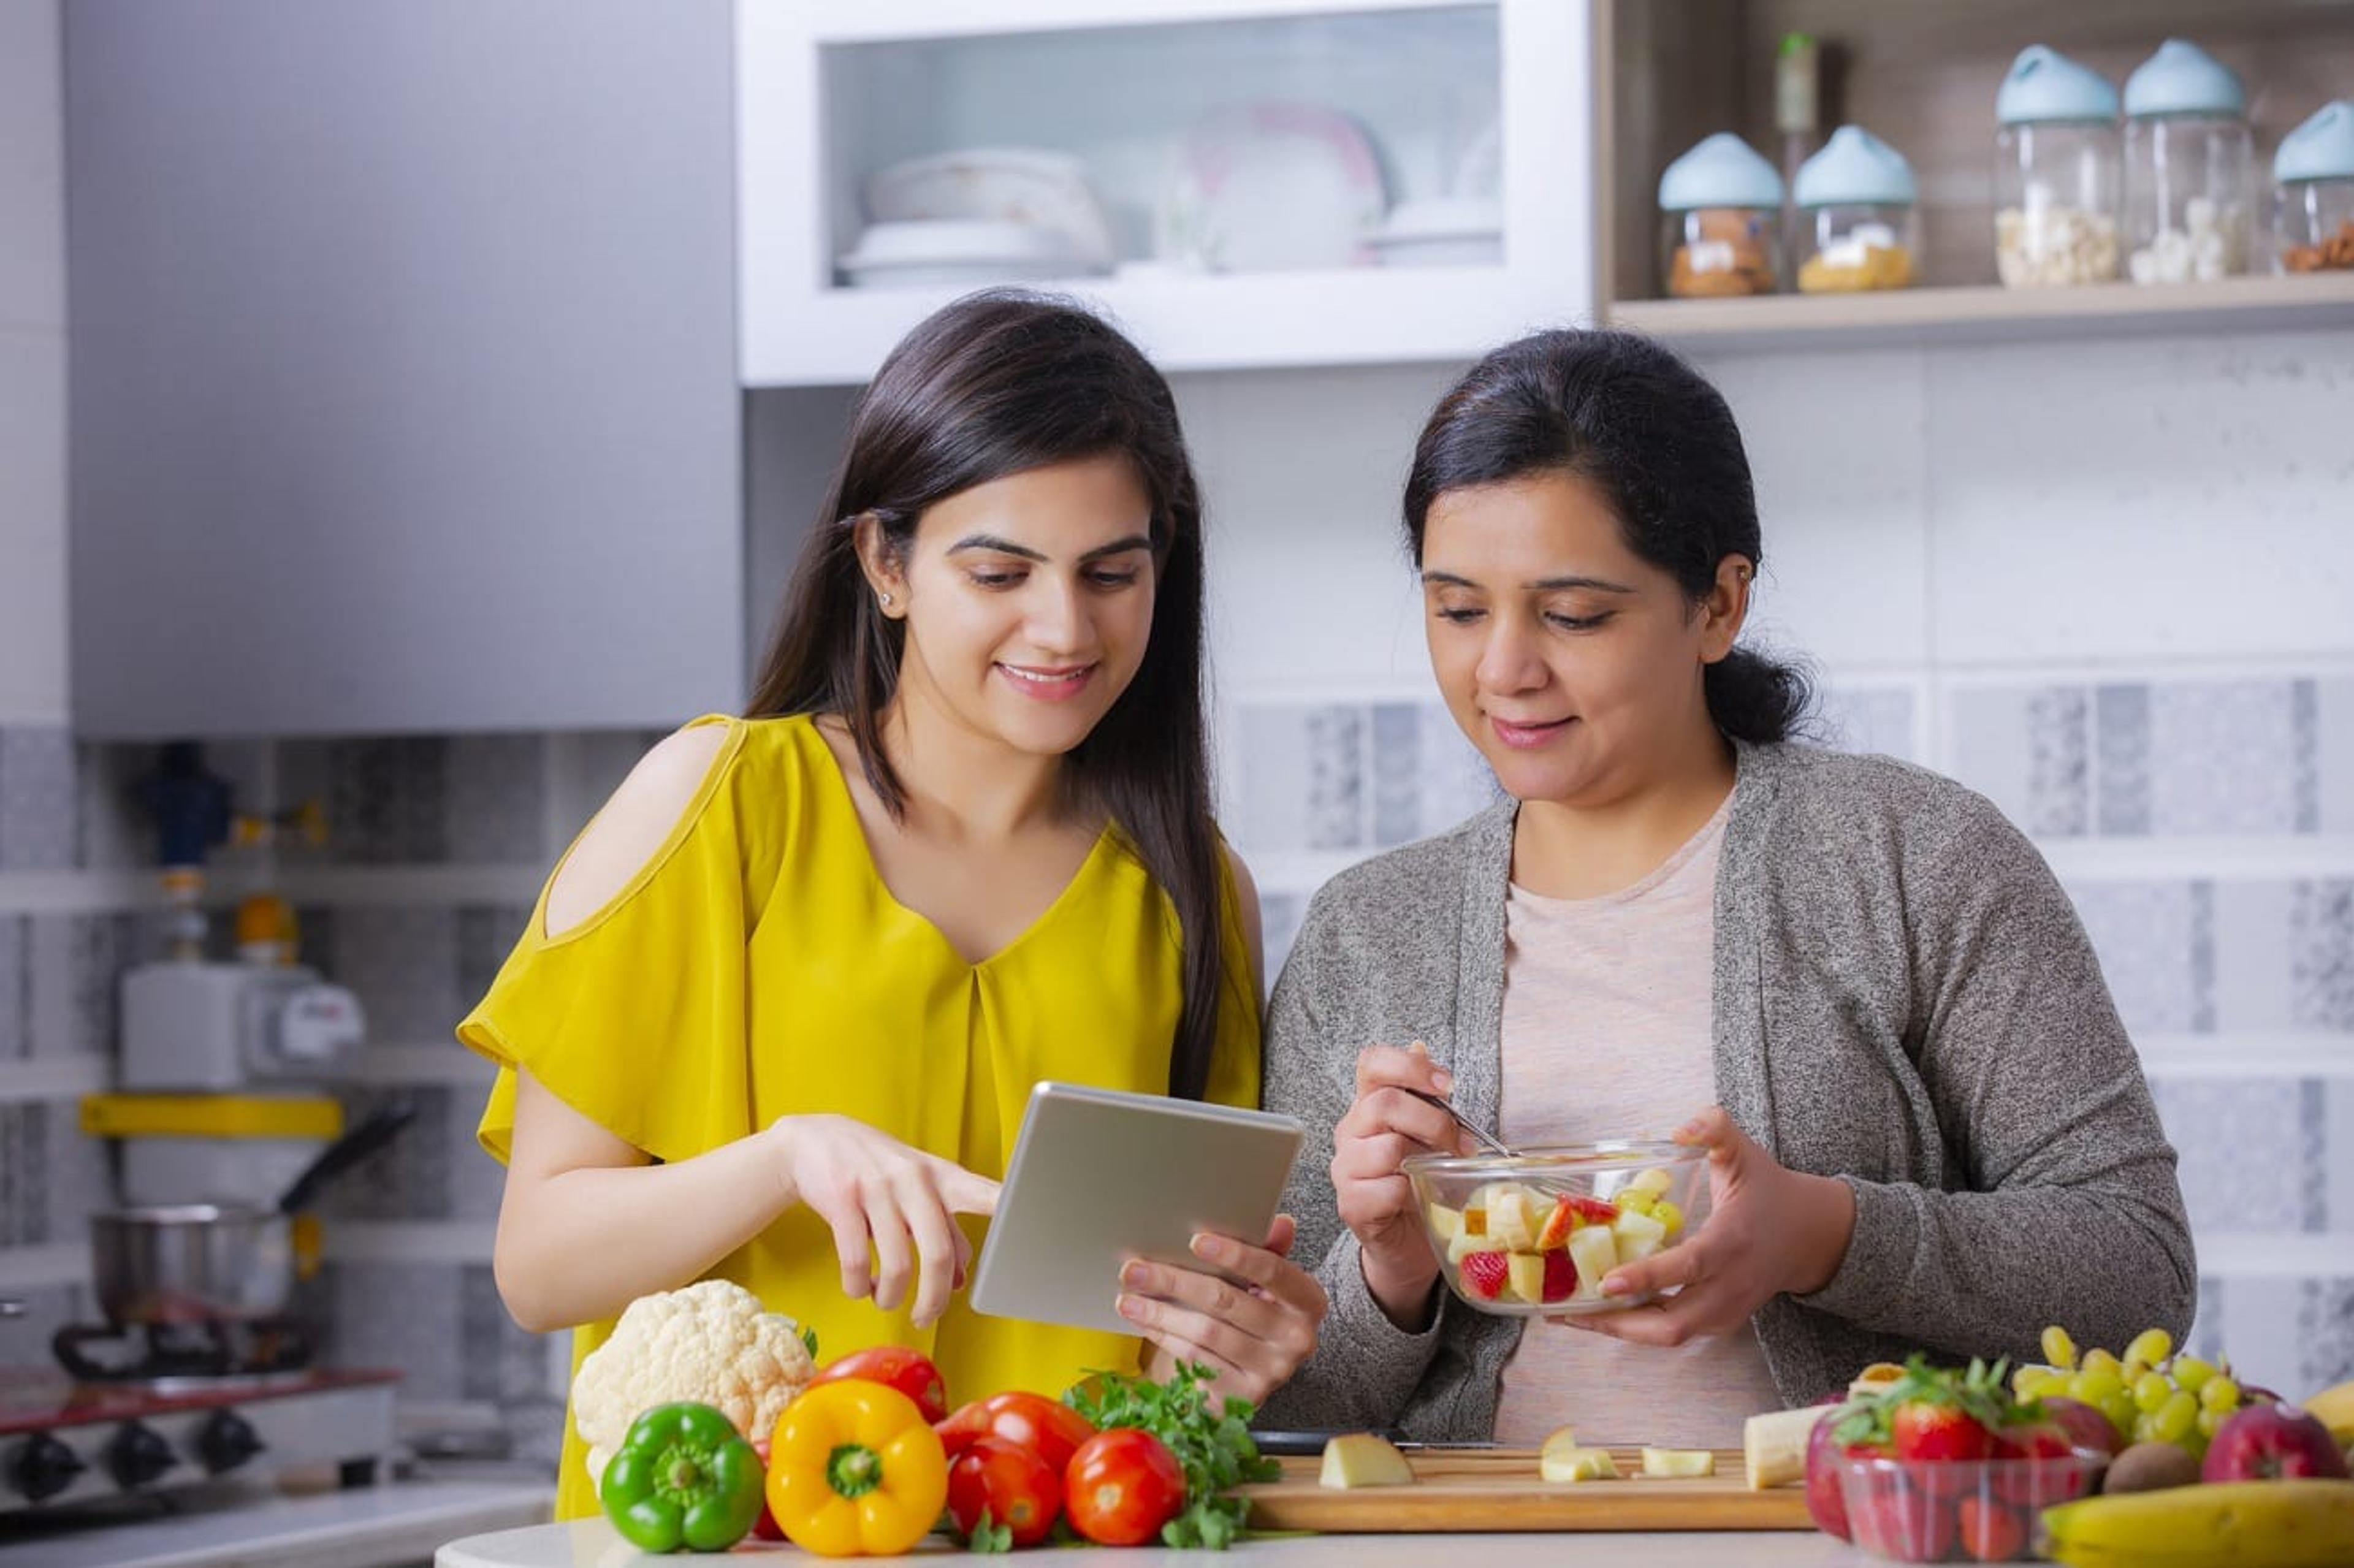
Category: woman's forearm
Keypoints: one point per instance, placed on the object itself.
(578, 1246)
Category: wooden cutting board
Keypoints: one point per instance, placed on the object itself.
(1500, 1489)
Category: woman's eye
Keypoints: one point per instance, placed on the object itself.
(996, 579)
(1112, 580)
(1459, 617)
(1577, 622)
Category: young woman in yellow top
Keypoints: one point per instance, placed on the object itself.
(780, 1009)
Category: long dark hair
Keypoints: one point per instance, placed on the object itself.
(1645, 428)
(996, 384)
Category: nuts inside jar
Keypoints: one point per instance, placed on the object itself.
(2332, 253)
(1724, 254)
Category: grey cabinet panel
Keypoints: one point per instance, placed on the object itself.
(403, 377)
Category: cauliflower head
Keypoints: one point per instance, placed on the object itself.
(712, 1342)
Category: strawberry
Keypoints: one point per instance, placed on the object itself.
(1898, 1521)
(1560, 1276)
(1935, 1415)
(1990, 1532)
(1925, 1430)
(1484, 1273)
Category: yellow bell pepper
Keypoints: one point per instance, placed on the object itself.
(856, 1470)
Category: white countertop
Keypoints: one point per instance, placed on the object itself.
(259, 1527)
(591, 1543)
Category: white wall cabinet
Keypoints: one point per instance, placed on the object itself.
(403, 365)
(1192, 124)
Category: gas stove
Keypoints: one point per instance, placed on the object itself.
(65, 1442)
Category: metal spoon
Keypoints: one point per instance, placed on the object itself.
(1488, 1140)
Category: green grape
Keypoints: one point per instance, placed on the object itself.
(2190, 1373)
(2219, 1392)
(2059, 1349)
(2120, 1409)
(2210, 1420)
(2174, 1421)
(2099, 1359)
(2151, 1390)
(2144, 1427)
(2097, 1385)
(2150, 1347)
(2038, 1382)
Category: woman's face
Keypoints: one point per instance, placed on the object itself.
(1027, 601)
(1573, 663)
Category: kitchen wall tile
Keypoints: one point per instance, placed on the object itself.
(2147, 935)
(2227, 757)
(2321, 955)
(37, 799)
(408, 1179)
(80, 1176)
(2122, 762)
(1872, 720)
(2333, 745)
(2062, 517)
(403, 964)
(486, 935)
(2254, 940)
(407, 1316)
(1280, 915)
(497, 800)
(2263, 1332)
(2325, 1335)
(2337, 1153)
(16, 989)
(2026, 748)
(2205, 1339)
(386, 800)
(75, 964)
(500, 1362)
(1427, 775)
(1301, 772)
(2218, 1126)
(115, 830)
(24, 1174)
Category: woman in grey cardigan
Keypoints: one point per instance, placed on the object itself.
(1850, 979)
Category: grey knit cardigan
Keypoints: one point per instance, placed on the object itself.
(1902, 997)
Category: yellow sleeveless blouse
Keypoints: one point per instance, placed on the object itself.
(757, 967)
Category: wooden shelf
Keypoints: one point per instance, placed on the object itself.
(1994, 315)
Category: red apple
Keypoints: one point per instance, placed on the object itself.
(1826, 1504)
(2270, 1441)
(2086, 1426)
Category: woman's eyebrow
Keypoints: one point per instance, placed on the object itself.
(1008, 547)
(1543, 585)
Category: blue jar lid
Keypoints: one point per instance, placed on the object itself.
(1856, 168)
(1722, 171)
(2320, 149)
(2044, 85)
(2183, 78)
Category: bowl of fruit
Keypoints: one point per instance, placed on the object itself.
(1943, 1465)
(1537, 1233)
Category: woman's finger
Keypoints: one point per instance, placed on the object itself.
(1230, 1346)
(1181, 1350)
(1217, 1300)
(936, 1237)
(848, 1222)
(1266, 1269)
(1406, 1068)
(962, 1191)
(1668, 1269)
(894, 1258)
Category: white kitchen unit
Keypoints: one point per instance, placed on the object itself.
(403, 392)
(1243, 184)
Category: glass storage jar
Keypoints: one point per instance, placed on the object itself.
(2057, 171)
(1720, 217)
(1860, 225)
(2190, 168)
(2312, 191)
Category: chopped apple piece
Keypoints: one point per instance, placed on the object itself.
(1446, 1224)
(1524, 1275)
(1594, 1251)
(1678, 1462)
(1655, 1182)
(1577, 1465)
(1774, 1445)
(1466, 1244)
(1363, 1459)
(1557, 1226)
(1639, 1235)
(1561, 1439)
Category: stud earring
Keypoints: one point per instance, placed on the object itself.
(887, 601)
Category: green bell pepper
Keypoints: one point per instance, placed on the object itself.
(684, 1477)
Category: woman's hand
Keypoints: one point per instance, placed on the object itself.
(1770, 1230)
(870, 1187)
(1253, 1337)
(1375, 1200)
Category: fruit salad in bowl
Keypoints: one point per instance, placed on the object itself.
(1535, 1233)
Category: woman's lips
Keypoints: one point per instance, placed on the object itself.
(1527, 736)
(1055, 684)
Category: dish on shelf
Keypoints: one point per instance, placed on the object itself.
(1270, 187)
(1007, 185)
(967, 252)
(1451, 231)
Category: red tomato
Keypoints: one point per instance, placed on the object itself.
(1015, 1486)
(893, 1366)
(1123, 1485)
(1047, 1427)
(766, 1527)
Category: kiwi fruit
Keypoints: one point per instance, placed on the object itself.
(2150, 1467)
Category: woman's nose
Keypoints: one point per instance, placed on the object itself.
(1508, 661)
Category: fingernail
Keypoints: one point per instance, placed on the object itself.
(1133, 1276)
(1131, 1308)
(1442, 1080)
(1613, 1286)
(1204, 1246)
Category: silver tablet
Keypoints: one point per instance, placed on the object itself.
(1099, 1177)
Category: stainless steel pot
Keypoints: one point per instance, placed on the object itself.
(191, 1263)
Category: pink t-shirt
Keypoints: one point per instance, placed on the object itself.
(1606, 1035)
